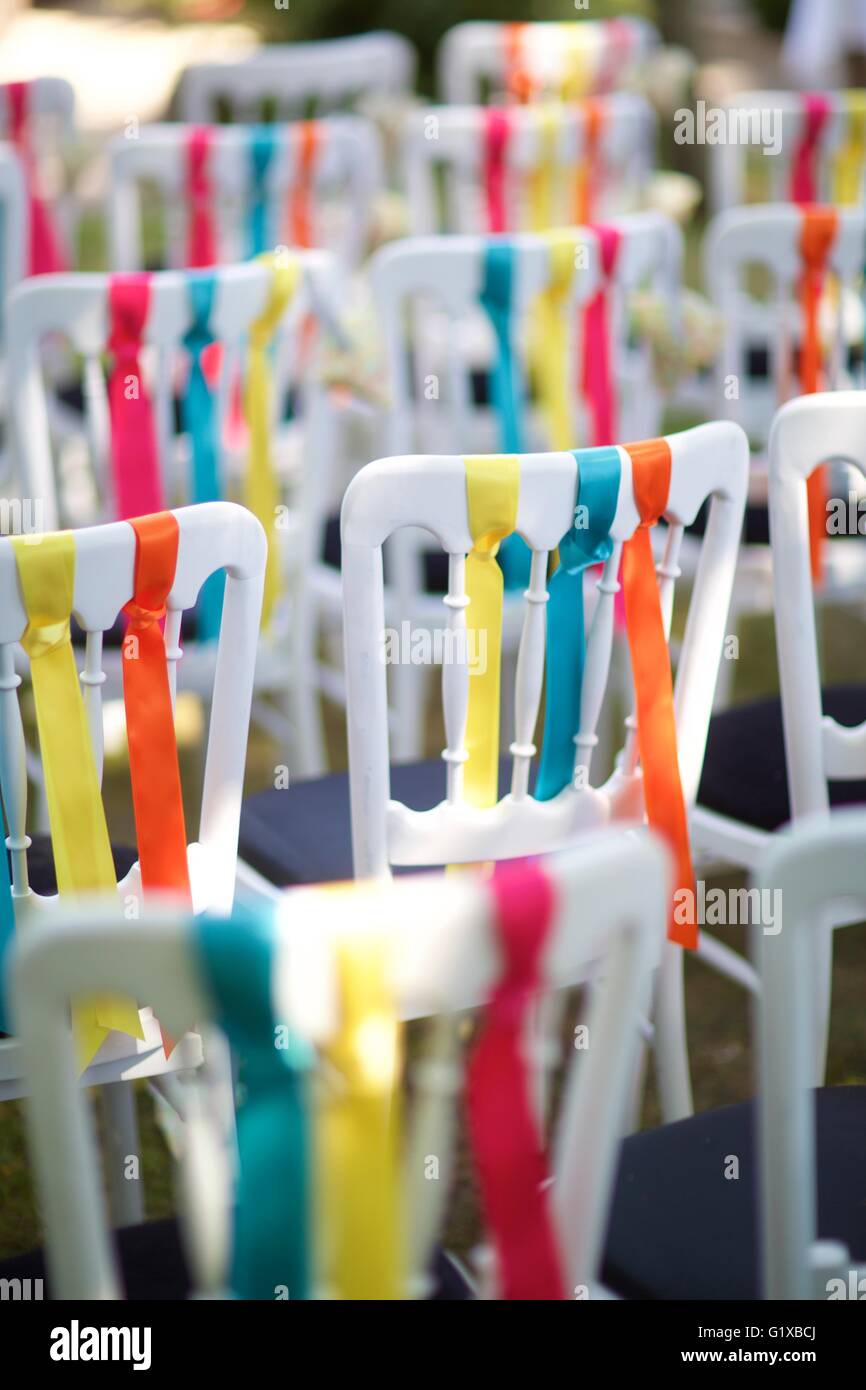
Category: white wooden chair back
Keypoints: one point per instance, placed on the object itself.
(451, 139)
(347, 178)
(610, 918)
(13, 227)
(807, 432)
(288, 77)
(473, 57)
(772, 121)
(816, 866)
(426, 291)
(213, 535)
(708, 462)
(76, 308)
(767, 239)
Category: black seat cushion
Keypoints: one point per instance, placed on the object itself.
(756, 523)
(40, 863)
(744, 774)
(435, 561)
(302, 834)
(154, 1267)
(680, 1229)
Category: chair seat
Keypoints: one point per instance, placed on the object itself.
(680, 1229)
(154, 1267)
(744, 775)
(302, 834)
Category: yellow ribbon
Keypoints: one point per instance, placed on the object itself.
(847, 172)
(542, 180)
(361, 1210)
(79, 834)
(261, 489)
(578, 63)
(492, 494)
(549, 342)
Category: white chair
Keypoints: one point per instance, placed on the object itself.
(448, 142)
(415, 814)
(763, 1199)
(774, 121)
(287, 77)
(73, 481)
(748, 250)
(476, 57)
(347, 178)
(744, 797)
(611, 892)
(212, 536)
(13, 239)
(800, 754)
(426, 291)
(811, 1141)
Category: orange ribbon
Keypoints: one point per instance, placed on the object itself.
(587, 176)
(301, 196)
(153, 766)
(817, 235)
(518, 80)
(651, 668)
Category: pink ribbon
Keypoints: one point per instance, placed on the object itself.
(201, 237)
(509, 1155)
(817, 110)
(598, 386)
(44, 254)
(497, 132)
(616, 54)
(134, 455)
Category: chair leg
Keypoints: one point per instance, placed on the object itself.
(671, 1047)
(125, 1184)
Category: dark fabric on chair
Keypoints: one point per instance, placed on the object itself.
(40, 863)
(756, 524)
(154, 1267)
(744, 774)
(302, 834)
(679, 1229)
(435, 561)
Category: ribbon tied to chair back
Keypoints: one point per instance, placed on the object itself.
(817, 238)
(79, 836)
(44, 253)
(134, 451)
(201, 227)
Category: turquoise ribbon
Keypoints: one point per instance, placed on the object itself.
(270, 1256)
(588, 542)
(497, 299)
(263, 145)
(7, 931)
(200, 423)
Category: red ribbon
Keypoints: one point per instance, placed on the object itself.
(817, 235)
(651, 669)
(154, 772)
(44, 254)
(598, 385)
(817, 110)
(508, 1151)
(497, 132)
(201, 232)
(134, 454)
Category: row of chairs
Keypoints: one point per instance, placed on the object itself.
(397, 822)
